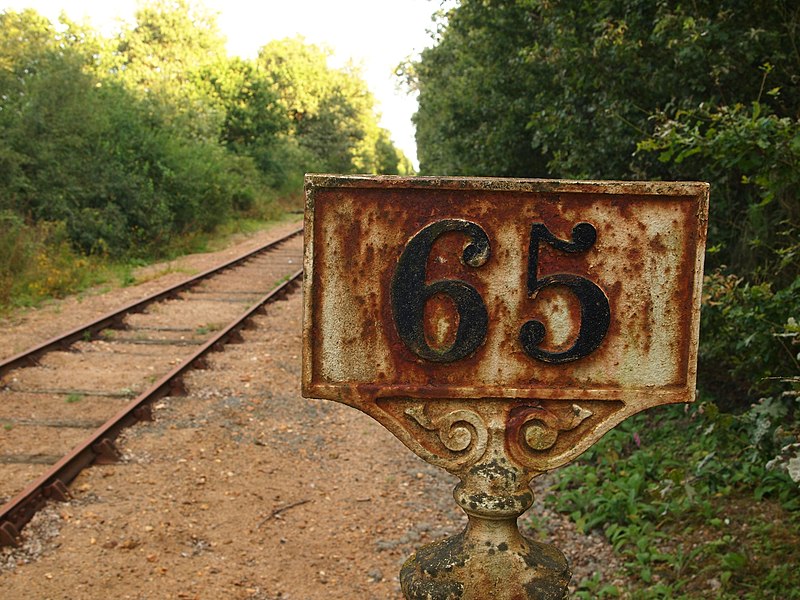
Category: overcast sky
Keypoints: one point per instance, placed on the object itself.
(378, 34)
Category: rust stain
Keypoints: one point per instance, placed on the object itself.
(441, 320)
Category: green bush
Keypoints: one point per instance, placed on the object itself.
(744, 351)
(684, 496)
(137, 142)
(752, 159)
(37, 262)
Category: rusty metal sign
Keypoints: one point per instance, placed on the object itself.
(499, 325)
(504, 289)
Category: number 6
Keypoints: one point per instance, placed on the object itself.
(410, 293)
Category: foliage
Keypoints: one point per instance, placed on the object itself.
(164, 55)
(330, 113)
(575, 83)
(747, 348)
(476, 94)
(37, 262)
(628, 89)
(86, 153)
(752, 158)
(681, 494)
(253, 114)
(129, 144)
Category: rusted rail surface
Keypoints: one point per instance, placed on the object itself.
(99, 446)
(30, 356)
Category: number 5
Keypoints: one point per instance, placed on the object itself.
(595, 311)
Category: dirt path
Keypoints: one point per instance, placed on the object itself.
(242, 489)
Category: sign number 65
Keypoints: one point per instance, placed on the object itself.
(410, 293)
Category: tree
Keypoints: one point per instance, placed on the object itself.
(68, 132)
(253, 113)
(166, 56)
(123, 143)
(477, 93)
(331, 112)
(620, 89)
(83, 148)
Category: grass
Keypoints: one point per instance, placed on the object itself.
(208, 328)
(37, 262)
(244, 224)
(684, 498)
(281, 281)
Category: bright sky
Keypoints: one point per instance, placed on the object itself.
(378, 34)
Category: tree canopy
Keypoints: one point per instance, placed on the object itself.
(631, 89)
(330, 112)
(154, 131)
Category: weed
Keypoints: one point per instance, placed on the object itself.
(73, 398)
(594, 588)
(127, 277)
(281, 281)
(690, 510)
(207, 328)
(38, 263)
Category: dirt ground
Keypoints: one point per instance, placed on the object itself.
(243, 489)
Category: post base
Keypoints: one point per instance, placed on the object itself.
(475, 567)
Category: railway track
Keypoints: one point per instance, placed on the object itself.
(63, 402)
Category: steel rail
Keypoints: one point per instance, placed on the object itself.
(99, 447)
(112, 319)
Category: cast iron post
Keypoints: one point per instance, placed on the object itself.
(498, 328)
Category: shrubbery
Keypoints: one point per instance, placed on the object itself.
(36, 261)
(125, 144)
(748, 350)
(682, 493)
